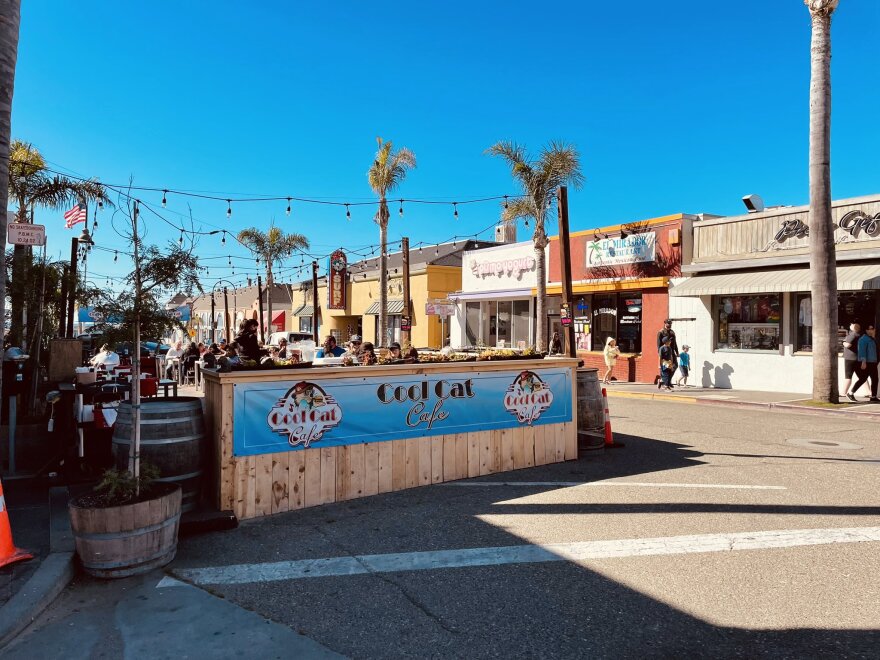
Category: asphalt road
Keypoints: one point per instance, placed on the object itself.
(714, 533)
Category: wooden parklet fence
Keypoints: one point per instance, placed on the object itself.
(264, 484)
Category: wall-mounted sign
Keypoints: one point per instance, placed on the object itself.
(565, 315)
(405, 323)
(510, 267)
(439, 308)
(634, 248)
(854, 224)
(23, 233)
(337, 274)
(286, 416)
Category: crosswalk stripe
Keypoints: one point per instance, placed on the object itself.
(598, 484)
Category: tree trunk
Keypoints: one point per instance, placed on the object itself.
(383, 272)
(822, 257)
(270, 284)
(10, 19)
(540, 241)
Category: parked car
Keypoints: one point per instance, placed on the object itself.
(291, 337)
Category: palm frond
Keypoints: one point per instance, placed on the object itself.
(389, 168)
(519, 209)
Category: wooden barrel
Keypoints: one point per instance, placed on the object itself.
(172, 439)
(590, 411)
(127, 540)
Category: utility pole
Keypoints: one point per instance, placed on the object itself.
(260, 307)
(315, 302)
(71, 289)
(405, 334)
(228, 336)
(565, 264)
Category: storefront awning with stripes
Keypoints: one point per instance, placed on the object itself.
(305, 310)
(393, 307)
(849, 278)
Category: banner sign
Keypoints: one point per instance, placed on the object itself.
(292, 415)
(88, 315)
(23, 233)
(337, 273)
(439, 308)
(634, 248)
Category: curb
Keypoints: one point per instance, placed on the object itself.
(753, 405)
(51, 577)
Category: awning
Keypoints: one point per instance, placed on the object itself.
(491, 295)
(849, 278)
(305, 310)
(393, 307)
(277, 317)
(608, 285)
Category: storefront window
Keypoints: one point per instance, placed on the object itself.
(604, 320)
(852, 307)
(472, 323)
(305, 323)
(629, 323)
(748, 322)
(520, 336)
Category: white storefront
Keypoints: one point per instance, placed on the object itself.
(746, 310)
(495, 306)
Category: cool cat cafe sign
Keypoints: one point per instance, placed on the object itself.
(289, 416)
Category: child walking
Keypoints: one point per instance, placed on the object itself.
(684, 365)
(611, 353)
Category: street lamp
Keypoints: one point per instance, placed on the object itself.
(79, 247)
(225, 306)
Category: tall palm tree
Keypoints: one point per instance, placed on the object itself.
(558, 164)
(272, 247)
(823, 261)
(10, 20)
(31, 185)
(387, 173)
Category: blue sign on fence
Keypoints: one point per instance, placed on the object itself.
(291, 415)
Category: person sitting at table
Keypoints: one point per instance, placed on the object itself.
(209, 359)
(172, 357)
(367, 354)
(412, 355)
(330, 349)
(231, 359)
(202, 348)
(354, 346)
(248, 343)
(106, 358)
(189, 358)
(394, 350)
(282, 348)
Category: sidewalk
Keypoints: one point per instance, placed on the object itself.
(784, 401)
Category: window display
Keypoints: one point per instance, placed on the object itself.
(852, 307)
(749, 322)
(618, 316)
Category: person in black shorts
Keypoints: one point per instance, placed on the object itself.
(851, 357)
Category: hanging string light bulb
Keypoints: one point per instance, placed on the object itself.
(180, 240)
(116, 255)
(228, 208)
(288, 206)
(527, 223)
(164, 198)
(347, 212)
(455, 212)
(100, 203)
(400, 211)
(229, 257)
(223, 238)
(505, 202)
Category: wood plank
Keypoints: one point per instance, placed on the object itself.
(263, 496)
(507, 437)
(240, 489)
(386, 481)
(519, 448)
(449, 471)
(371, 468)
(485, 441)
(328, 474)
(412, 462)
(296, 473)
(571, 450)
(280, 482)
(424, 461)
(437, 459)
(538, 433)
(398, 464)
(343, 472)
(473, 439)
(250, 509)
(559, 434)
(356, 472)
(461, 455)
(312, 476)
(528, 446)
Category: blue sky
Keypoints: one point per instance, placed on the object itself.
(675, 106)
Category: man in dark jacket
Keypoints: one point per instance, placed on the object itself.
(667, 331)
(248, 344)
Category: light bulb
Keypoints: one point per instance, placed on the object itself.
(288, 206)
(223, 240)
(436, 252)
(100, 204)
(228, 208)
(400, 211)
(116, 256)
(455, 213)
(505, 201)
(164, 198)
(347, 212)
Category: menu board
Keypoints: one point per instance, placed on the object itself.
(629, 323)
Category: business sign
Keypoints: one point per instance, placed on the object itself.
(634, 248)
(182, 313)
(88, 315)
(439, 308)
(337, 273)
(292, 415)
(503, 267)
(405, 323)
(23, 233)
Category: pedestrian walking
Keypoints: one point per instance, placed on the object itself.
(684, 365)
(611, 353)
(667, 332)
(851, 357)
(667, 364)
(867, 356)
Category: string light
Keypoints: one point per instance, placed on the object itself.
(505, 202)
(223, 239)
(100, 203)
(228, 208)
(455, 213)
(400, 211)
(347, 212)
(116, 255)
(288, 206)
(164, 198)
(436, 252)
(181, 239)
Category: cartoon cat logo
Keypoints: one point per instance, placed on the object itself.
(527, 397)
(304, 414)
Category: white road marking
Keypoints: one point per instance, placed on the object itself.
(520, 554)
(596, 484)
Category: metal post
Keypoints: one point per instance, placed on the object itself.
(213, 320)
(228, 336)
(71, 289)
(13, 414)
(315, 302)
(565, 262)
(62, 317)
(260, 308)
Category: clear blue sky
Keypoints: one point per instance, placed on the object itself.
(675, 106)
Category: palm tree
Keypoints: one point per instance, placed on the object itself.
(272, 247)
(558, 164)
(10, 20)
(386, 173)
(31, 185)
(822, 257)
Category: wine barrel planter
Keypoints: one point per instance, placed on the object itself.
(129, 539)
(590, 411)
(172, 439)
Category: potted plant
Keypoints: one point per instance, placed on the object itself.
(129, 524)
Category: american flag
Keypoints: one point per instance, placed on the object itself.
(75, 216)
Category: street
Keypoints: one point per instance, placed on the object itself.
(716, 532)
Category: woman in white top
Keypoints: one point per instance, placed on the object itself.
(611, 353)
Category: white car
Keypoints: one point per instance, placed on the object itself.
(291, 337)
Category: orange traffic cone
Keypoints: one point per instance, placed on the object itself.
(609, 436)
(8, 552)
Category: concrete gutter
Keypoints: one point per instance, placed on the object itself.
(753, 405)
(51, 577)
